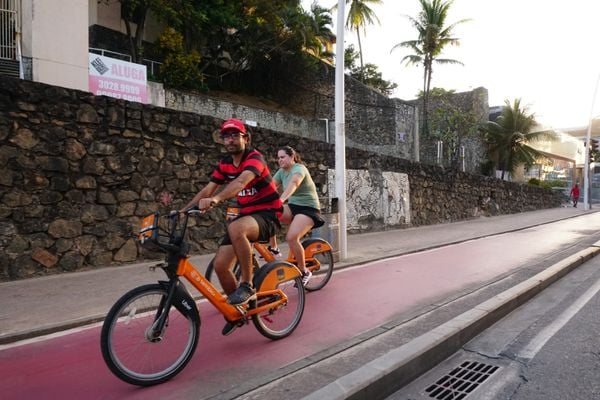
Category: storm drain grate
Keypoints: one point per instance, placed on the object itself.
(461, 381)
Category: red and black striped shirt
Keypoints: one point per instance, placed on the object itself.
(261, 193)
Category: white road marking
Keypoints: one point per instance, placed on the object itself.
(549, 331)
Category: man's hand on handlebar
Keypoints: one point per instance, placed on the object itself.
(207, 203)
(192, 210)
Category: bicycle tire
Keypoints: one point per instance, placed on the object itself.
(128, 351)
(317, 249)
(281, 322)
(321, 274)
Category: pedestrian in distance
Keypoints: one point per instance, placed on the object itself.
(245, 174)
(575, 194)
(303, 210)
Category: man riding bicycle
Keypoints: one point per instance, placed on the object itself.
(247, 176)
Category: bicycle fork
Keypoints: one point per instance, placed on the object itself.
(178, 297)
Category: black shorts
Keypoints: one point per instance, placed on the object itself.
(313, 213)
(268, 225)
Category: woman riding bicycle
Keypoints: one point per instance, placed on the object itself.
(302, 211)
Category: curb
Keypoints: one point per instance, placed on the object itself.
(389, 373)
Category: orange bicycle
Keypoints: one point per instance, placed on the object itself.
(318, 257)
(151, 332)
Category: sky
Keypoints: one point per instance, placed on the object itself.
(545, 52)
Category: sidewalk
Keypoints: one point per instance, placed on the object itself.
(39, 306)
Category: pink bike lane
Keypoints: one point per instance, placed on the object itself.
(356, 300)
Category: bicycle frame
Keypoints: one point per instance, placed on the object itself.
(233, 313)
(313, 246)
(178, 264)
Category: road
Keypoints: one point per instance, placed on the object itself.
(357, 299)
(546, 349)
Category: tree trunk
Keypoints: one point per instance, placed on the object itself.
(362, 66)
(139, 36)
(426, 83)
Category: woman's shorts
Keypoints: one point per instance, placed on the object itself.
(313, 213)
(268, 225)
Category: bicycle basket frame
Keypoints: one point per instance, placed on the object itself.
(161, 233)
(149, 230)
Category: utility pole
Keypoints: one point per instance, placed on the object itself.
(340, 136)
(588, 146)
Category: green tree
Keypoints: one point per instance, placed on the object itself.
(274, 41)
(319, 36)
(433, 36)
(369, 74)
(359, 16)
(451, 125)
(508, 138)
(180, 68)
(134, 12)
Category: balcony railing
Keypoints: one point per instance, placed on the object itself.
(10, 26)
(151, 65)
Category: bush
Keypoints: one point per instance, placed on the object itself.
(557, 183)
(180, 70)
(547, 184)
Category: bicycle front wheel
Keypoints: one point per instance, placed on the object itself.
(321, 267)
(277, 323)
(134, 350)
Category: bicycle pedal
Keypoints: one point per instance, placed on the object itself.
(241, 309)
(159, 265)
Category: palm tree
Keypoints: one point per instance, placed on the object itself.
(359, 16)
(433, 37)
(509, 137)
(321, 36)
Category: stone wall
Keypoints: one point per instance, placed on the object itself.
(373, 121)
(274, 120)
(79, 171)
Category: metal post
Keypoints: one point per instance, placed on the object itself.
(326, 128)
(417, 145)
(340, 139)
(588, 145)
(462, 157)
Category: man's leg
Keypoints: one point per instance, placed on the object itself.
(242, 232)
(223, 264)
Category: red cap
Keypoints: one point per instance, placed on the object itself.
(233, 124)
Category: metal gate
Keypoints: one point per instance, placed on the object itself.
(10, 26)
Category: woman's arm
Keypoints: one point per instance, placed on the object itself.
(291, 187)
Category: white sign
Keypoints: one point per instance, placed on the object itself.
(117, 78)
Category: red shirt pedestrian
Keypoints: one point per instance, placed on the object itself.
(575, 194)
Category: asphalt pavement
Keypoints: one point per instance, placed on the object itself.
(39, 306)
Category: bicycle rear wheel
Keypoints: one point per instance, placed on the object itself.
(277, 323)
(137, 354)
(321, 267)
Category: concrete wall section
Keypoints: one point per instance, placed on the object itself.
(374, 199)
(204, 105)
(56, 38)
